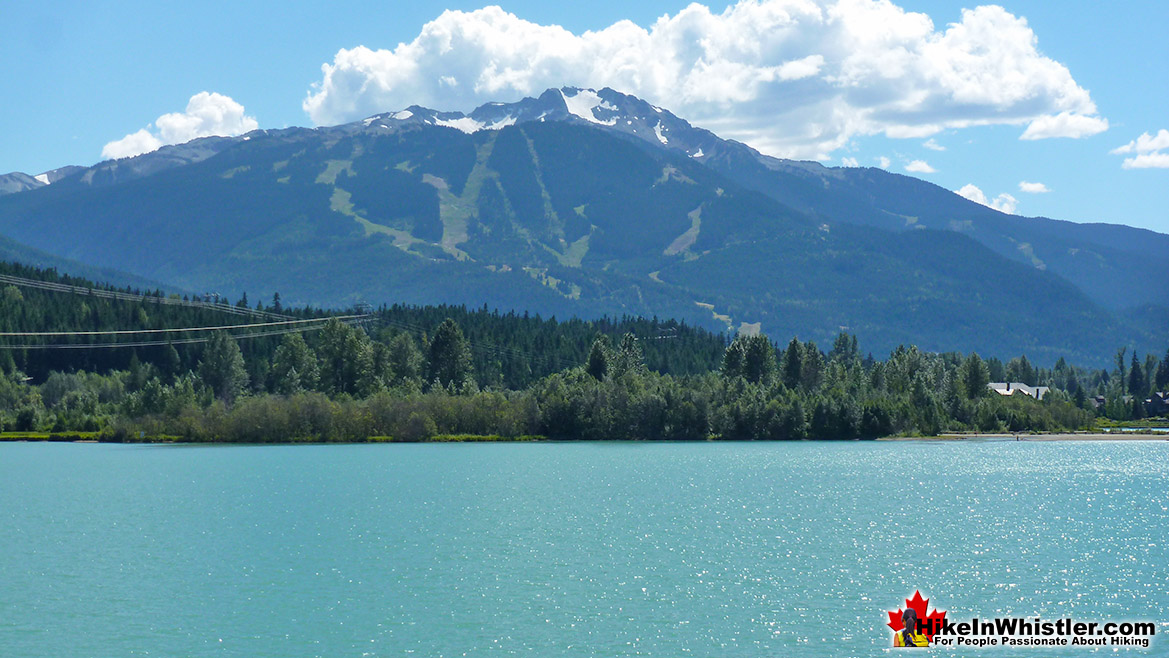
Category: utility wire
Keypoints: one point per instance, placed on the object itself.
(126, 332)
(481, 345)
(125, 296)
(154, 343)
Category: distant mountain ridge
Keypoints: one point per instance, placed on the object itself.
(584, 202)
(1102, 259)
(18, 181)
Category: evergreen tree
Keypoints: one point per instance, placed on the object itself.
(1120, 369)
(733, 358)
(974, 376)
(404, 360)
(796, 419)
(1161, 380)
(792, 364)
(169, 363)
(759, 361)
(294, 366)
(998, 371)
(628, 358)
(1019, 369)
(750, 357)
(449, 358)
(1150, 371)
(1138, 407)
(1079, 398)
(599, 357)
(222, 367)
(844, 349)
(1137, 385)
(346, 360)
(812, 367)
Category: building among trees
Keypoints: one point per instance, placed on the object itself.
(1019, 388)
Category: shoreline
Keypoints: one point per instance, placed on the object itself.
(1048, 436)
(94, 437)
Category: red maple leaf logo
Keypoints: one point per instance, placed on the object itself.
(929, 623)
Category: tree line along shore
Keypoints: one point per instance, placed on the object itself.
(402, 373)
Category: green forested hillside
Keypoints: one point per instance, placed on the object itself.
(508, 350)
(556, 219)
(1104, 261)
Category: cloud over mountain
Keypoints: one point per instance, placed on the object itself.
(207, 114)
(1002, 203)
(794, 78)
(920, 167)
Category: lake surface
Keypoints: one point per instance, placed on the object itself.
(582, 549)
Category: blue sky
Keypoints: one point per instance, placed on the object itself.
(80, 76)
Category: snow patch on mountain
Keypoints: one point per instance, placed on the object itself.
(658, 132)
(465, 124)
(585, 103)
(44, 178)
(500, 124)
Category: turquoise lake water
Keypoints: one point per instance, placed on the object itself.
(570, 549)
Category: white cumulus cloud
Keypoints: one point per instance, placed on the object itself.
(850, 162)
(135, 143)
(1002, 203)
(1148, 149)
(794, 78)
(207, 114)
(1033, 188)
(884, 162)
(1064, 124)
(933, 146)
(920, 167)
(1156, 160)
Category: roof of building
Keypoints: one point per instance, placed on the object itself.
(1010, 388)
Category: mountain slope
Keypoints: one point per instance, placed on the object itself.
(1104, 260)
(14, 252)
(575, 203)
(19, 182)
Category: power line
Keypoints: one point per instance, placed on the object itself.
(125, 296)
(155, 343)
(481, 345)
(125, 332)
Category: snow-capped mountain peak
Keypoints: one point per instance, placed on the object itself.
(604, 108)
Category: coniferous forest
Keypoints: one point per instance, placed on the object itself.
(80, 359)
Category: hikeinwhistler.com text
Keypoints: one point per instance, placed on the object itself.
(1038, 632)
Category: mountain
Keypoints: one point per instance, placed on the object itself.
(1104, 260)
(573, 203)
(14, 252)
(19, 182)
